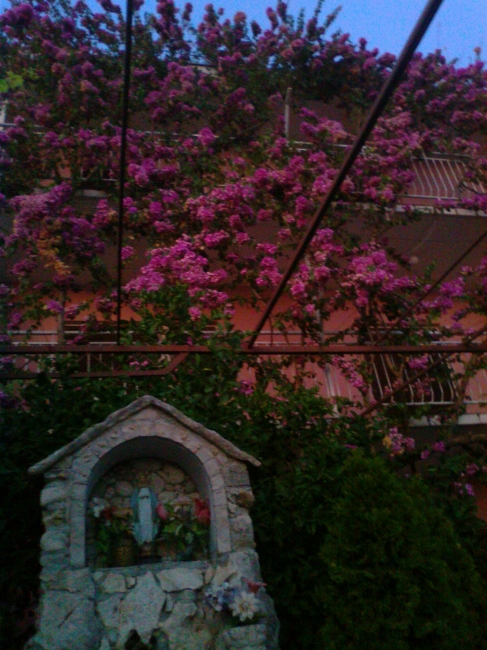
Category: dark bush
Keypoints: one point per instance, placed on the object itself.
(395, 575)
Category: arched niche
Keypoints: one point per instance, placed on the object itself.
(183, 523)
(154, 447)
(193, 463)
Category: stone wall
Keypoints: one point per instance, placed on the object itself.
(168, 481)
(214, 604)
(165, 606)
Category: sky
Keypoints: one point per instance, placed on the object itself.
(459, 26)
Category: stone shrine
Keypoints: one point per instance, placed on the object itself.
(148, 540)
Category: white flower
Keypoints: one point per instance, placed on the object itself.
(245, 606)
(98, 505)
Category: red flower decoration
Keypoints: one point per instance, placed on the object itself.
(107, 514)
(162, 512)
(254, 586)
(202, 511)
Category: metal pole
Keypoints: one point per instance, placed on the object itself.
(374, 114)
(264, 351)
(123, 154)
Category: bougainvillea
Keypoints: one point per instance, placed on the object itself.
(208, 161)
(236, 133)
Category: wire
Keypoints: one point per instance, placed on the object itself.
(374, 114)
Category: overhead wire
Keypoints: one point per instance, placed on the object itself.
(375, 112)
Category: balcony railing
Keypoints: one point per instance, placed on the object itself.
(438, 176)
(440, 390)
(438, 394)
(441, 177)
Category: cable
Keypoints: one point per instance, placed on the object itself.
(374, 114)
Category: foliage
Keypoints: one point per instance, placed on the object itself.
(217, 197)
(110, 525)
(210, 168)
(395, 575)
(184, 530)
(302, 452)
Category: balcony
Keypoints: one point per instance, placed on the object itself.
(441, 177)
(438, 392)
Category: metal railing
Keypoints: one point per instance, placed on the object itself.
(438, 176)
(433, 392)
(437, 391)
(441, 177)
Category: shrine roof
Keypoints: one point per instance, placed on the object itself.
(147, 401)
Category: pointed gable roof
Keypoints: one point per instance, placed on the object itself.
(129, 411)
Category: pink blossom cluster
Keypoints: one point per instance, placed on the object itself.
(52, 234)
(213, 185)
(350, 369)
(397, 444)
(182, 264)
(464, 489)
(370, 272)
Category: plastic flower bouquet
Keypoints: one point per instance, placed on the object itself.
(240, 602)
(183, 534)
(111, 526)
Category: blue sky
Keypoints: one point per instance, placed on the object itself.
(459, 26)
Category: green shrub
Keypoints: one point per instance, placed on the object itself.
(303, 489)
(395, 575)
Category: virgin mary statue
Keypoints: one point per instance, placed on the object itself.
(146, 522)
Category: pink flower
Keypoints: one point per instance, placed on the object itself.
(127, 253)
(72, 311)
(214, 239)
(242, 237)
(54, 306)
(162, 512)
(246, 388)
(15, 320)
(195, 313)
(206, 137)
(397, 443)
(419, 363)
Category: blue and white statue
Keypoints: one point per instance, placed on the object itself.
(146, 522)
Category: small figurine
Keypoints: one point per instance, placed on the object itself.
(146, 521)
